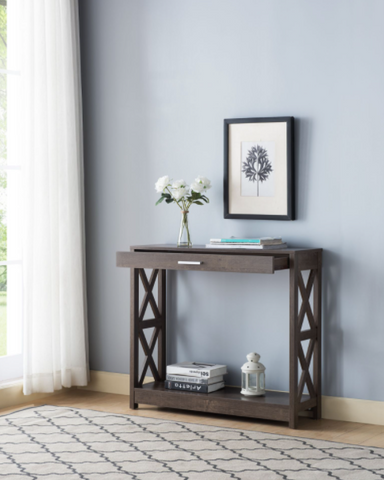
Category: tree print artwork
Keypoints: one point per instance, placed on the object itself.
(257, 166)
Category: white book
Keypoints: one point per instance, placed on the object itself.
(254, 247)
(196, 369)
(198, 380)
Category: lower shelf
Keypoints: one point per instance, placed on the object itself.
(228, 401)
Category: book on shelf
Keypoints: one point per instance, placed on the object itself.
(193, 387)
(197, 369)
(255, 247)
(197, 380)
(256, 241)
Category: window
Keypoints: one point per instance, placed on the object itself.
(10, 201)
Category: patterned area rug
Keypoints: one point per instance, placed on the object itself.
(65, 443)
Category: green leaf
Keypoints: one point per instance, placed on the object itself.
(160, 200)
(206, 199)
(166, 195)
(195, 195)
(198, 203)
(169, 200)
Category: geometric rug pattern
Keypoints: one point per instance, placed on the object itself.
(58, 443)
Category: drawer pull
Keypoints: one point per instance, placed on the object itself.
(181, 262)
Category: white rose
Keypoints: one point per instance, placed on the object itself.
(179, 193)
(204, 181)
(197, 187)
(162, 183)
(201, 184)
(179, 184)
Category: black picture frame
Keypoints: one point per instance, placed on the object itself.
(290, 200)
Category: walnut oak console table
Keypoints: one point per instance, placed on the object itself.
(275, 405)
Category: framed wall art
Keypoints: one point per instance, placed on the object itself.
(259, 168)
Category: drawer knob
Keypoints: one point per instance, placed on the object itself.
(181, 262)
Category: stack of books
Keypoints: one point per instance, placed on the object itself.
(195, 377)
(272, 243)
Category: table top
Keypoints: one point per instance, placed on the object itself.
(172, 248)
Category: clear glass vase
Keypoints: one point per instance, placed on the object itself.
(184, 235)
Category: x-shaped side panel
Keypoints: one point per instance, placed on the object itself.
(306, 309)
(305, 292)
(148, 298)
(305, 362)
(148, 351)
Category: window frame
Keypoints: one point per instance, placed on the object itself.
(11, 365)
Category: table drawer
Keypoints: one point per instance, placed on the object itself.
(204, 262)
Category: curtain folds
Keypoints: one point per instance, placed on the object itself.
(54, 289)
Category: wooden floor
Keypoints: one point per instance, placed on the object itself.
(346, 432)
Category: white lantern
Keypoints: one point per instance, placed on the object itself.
(253, 376)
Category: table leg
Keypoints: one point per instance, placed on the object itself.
(139, 325)
(134, 364)
(293, 341)
(161, 346)
(317, 351)
(310, 378)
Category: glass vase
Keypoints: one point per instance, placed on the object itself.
(184, 235)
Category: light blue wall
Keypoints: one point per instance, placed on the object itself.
(159, 77)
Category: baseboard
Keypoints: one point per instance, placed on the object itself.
(108, 382)
(334, 408)
(353, 410)
(12, 395)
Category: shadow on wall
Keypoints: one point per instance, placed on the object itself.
(302, 152)
(332, 333)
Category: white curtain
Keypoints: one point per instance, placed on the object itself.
(55, 318)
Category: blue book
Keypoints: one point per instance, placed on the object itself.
(256, 241)
(254, 246)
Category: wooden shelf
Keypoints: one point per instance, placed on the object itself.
(229, 401)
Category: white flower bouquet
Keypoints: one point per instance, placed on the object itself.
(184, 196)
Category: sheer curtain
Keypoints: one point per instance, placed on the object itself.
(55, 318)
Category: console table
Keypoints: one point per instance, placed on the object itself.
(280, 406)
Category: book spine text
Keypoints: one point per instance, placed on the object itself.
(189, 387)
